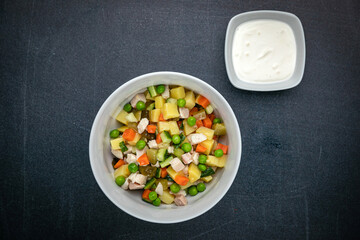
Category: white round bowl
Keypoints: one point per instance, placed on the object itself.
(130, 201)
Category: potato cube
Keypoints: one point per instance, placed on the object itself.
(188, 129)
(148, 96)
(163, 126)
(194, 172)
(209, 145)
(213, 161)
(219, 129)
(170, 110)
(131, 117)
(190, 99)
(121, 117)
(174, 128)
(122, 128)
(159, 102)
(173, 174)
(122, 171)
(209, 133)
(167, 197)
(187, 185)
(207, 179)
(115, 143)
(154, 115)
(138, 115)
(178, 92)
(136, 139)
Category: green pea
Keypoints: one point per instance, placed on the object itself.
(202, 167)
(140, 144)
(176, 139)
(156, 202)
(186, 147)
(191, 121)
(193, 191)
(120, 180)
(201, 187)
(202, 158)
(216, 120)
(218, 153)
(160, 89)
(133, 167)
(175, 188)
(140, 105)
(114, 133)
(153, 195)
(181, 102)
(127, 107)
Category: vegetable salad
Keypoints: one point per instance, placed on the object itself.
(168, 144)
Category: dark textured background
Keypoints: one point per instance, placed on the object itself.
(299, 173)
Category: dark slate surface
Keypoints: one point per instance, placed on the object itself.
(299, 174)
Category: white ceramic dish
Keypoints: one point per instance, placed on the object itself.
(297, 28)
(130, 201)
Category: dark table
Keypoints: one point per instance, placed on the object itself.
(299, 172)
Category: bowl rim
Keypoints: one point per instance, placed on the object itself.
(299, 35)
(92, 144)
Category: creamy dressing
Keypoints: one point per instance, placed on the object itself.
(264, 51)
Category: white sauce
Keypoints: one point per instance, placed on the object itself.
(264, 51)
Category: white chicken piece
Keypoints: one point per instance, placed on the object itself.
(137, 178)
(135, 186)
(180, 200)
(131, 158)
(186, 170)
(177, 165)
(187, 158)
(184, 112)
(181, 192)
(195, 158)
(196, 138)
(142, 125)
(153, 144)
(126, 184)
(117, 153)
(129, 147)
(159, 189)
(139, 153)
(138, 97)
(170, 149)
(166, 93)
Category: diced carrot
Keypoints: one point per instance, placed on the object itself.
(146, 193)
(203, 101)
(181, 180)
(211, 116)
(193, 110)
(199, 123)
(143, 160)
(222, 147)
(158, 139)
(163, 172)
(151, 128)
(200, 148)
(119, 163)
(207, 122)
(179, 123)
(129, 134)
(161, 117)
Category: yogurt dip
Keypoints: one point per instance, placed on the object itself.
(264, 51)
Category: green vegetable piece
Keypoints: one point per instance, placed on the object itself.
(202, 167)
(163, 182)
(169, 178)
(152, 91)
(123, 147)
(166, 162)
(151, 107)
(146, 200)
(153, 195)
(218, 153)
(114, 133)
(120, 180)
(151, 154)
(133, 168)
(209, 171)
(186, 147)
(156, 202)
(140, 144)
(148, 171)
(149, 183)
(160, 156)
(181, 102)
(178, 152)
(160, 89)
(202, 158)
(201, 187)
(175, 188)
(127, 107)
(191, 121)
(193, 191)
(140, 105)
(216, 120)
(165, 137)
(176, 139)
(171, 100)
(153, 187)
(158, 173)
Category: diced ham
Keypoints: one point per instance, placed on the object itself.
(196, 138)
(166, 93)
(131, 158)
(180, 200)
(142, 125)
(138, 97)
(117, 153)
(139, 153)
(126, 184)
(135, 186)
(177, 165)
(187, 158)
(170, 149)
(137, 178)
(181, 192)
(186, 170)
(184, 112)
(195, 158)
(153, 144)
(159, 189)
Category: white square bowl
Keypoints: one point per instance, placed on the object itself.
(294, 23)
